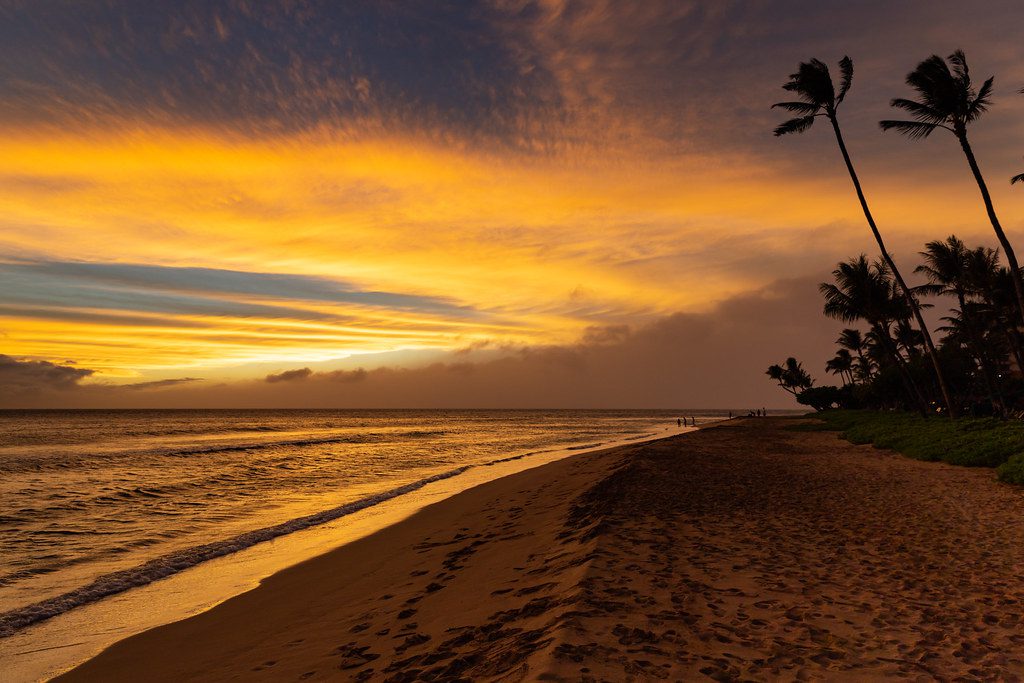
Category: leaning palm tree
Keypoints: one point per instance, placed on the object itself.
(813, 84)
(949, 101)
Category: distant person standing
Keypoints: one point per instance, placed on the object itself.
(679, 423)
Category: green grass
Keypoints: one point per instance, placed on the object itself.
(971, 442)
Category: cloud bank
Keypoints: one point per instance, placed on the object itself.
(682, 360)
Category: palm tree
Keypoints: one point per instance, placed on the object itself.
(818, 97)
(991, 283)
(852, 340)
(791, 376)
(842, 365)
(949, 101)
(946, 265)
(864, 291)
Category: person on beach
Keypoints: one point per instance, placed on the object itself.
(679, 423)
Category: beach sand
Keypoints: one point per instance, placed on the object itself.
(744, 550)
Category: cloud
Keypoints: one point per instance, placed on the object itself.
(32, 376)
(530, 75)
(289, 375)
(375, 177)
(346, 376)
(160, 383)
(193, 290)
(271, 66)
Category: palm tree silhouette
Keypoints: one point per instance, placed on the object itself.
(947, 266)
(991, 283)
(791, 376)
(841, 364)
(818, 97)
(852, 340)
(949, 101)
(864, 291)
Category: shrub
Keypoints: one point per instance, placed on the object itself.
(971, 442)
(1012, 471)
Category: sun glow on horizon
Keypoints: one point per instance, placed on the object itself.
(514, 250)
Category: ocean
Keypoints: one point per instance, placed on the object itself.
(96, 502)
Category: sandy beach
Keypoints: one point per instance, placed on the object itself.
(745, 550)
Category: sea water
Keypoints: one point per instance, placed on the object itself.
(96, 503)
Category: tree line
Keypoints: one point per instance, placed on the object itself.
(895, 363)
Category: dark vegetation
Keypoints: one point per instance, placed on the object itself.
(970, 442)
(887, 358)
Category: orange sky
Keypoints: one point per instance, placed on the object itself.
(156, 228)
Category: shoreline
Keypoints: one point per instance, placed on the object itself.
(745, 550)
(78, 634)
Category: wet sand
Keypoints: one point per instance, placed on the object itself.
(740, 551)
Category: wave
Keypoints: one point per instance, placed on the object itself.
(162, 567)
(43, 462)
(15, 620)
(372, 437)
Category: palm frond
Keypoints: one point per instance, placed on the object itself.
(805, 108)
(798, 125)
(921, 112)
(915, 130)
(927, 290)
(846, 70)
(959, 61)
(1017, 179)
(979, 105)
(937, 86)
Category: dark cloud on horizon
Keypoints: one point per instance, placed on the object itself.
(160, 383)
(288, 375)
(30, 376)
(21, 378)
(301, 374)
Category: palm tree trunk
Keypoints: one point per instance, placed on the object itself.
(1011, 258)
(911, 301)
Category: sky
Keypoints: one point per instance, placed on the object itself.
(513, 203)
